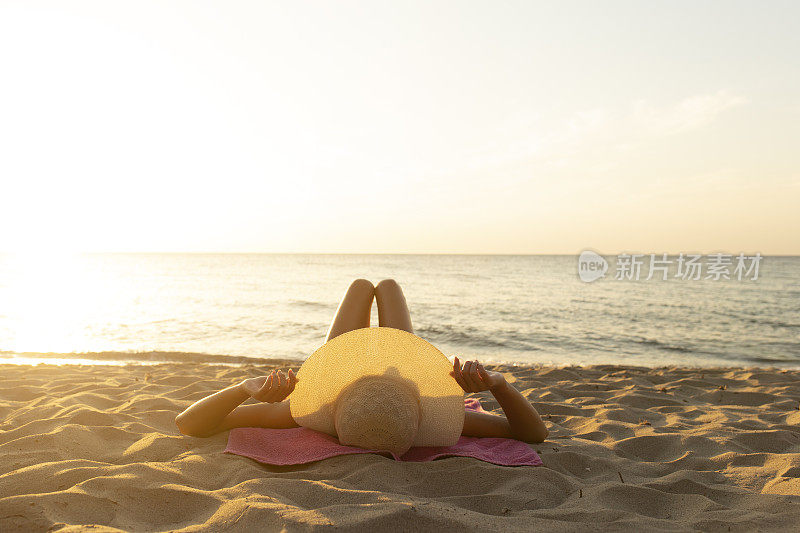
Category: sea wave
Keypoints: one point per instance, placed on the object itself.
(308, 304)
(472, 337)
(662, 345)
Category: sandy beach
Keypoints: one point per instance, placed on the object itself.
(630, 448)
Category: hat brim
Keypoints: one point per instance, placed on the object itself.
(380, 351)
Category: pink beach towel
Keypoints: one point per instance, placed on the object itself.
(302, 445)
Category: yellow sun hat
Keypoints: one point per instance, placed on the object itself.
(380, 388)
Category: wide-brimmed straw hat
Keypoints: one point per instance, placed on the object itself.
(380, 388)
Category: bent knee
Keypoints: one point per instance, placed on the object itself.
(362, 285)
(387, 284)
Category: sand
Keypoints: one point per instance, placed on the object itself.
(634, 449)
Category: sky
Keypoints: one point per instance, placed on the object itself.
(400, 127)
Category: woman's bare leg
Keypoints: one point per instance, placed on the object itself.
(354, 309)
(392, 307)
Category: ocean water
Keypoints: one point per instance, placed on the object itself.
(517, 309)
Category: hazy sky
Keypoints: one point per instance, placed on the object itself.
(463, 127)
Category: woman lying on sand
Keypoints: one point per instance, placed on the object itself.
(222, 411)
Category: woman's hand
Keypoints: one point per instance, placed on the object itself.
(521, 422)
(474, 378)
(271, 389)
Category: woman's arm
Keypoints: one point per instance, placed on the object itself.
(521, 420)
(222, 410)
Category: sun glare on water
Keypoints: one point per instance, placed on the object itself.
(47, 300)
